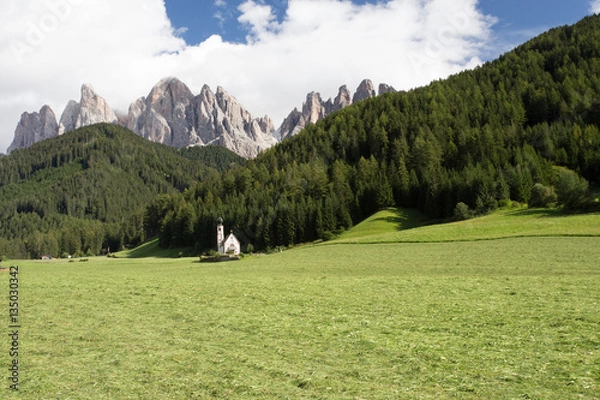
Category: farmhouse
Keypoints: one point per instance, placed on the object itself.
(229, 244)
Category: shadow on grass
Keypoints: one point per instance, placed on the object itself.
(551, 212)
(406, 219)
(152, 249)
(538, 212)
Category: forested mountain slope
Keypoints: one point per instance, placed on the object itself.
(480, 137)
(86, 190)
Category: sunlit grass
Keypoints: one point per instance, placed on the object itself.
(394, 226)
(500, 319)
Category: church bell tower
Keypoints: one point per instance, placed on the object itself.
(220, 235)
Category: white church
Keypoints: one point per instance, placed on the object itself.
(229, 245)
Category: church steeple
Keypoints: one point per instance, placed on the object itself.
(220, 235)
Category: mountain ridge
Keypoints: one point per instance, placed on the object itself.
(171, 114)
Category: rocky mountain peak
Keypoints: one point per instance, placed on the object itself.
(91, 109)
(365, 90)
(315, 108)
(229, 104)
(87, 93)
(170, 91)
(343, 98)
(34, 127)
(162, 116)
(172, 115)
(383, 88)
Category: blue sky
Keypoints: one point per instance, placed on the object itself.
(267, 53)
(517, 20)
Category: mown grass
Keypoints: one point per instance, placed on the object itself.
(502, 319)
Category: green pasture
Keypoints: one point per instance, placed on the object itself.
(510, 318)
(398, 226)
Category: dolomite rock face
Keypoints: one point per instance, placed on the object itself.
(365, 90)
(172, 115)
(383, 88)
(315, 108)
(68, 119)
(343, 99)
(163, 116)
(224, 121)
(34, 127)
(91, 109)
(292, 124)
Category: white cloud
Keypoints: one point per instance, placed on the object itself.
(595, 6)
(181, 31)
(50, 47)
(258, 17)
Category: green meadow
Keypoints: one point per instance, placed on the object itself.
(398, 226)
(501, 307)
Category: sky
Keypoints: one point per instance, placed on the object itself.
(268, 54)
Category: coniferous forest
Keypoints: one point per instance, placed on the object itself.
(85, 192)
(522, 128)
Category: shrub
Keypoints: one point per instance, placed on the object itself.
(542, 196)
(572, 191)
(213, 253)
(462, 212)
(486, 203)
(328, 235)
(507, 203)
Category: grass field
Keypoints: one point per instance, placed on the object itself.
(511, 318)
(398, 226)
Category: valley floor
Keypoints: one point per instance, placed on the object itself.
(508, 318)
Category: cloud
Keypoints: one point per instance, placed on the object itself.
(258, 17)
(50, 47)
(179, 32)
(595, 7)
(220, 17)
